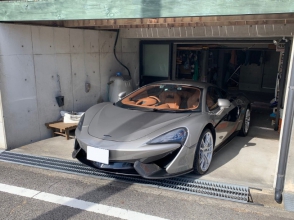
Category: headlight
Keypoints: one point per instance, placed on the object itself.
(176, 136)
(80, 124)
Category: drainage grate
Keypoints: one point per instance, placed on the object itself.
(182, 184)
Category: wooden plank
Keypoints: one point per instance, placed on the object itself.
(60, 133)
(113, 9)
(61, 125)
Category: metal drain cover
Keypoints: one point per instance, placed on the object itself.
(182, 184)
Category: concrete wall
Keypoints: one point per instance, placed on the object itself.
(32, 61)
(130, 58)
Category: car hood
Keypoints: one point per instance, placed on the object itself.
(119, 124)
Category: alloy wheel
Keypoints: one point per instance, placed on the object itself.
(206, 150)
(247, 121)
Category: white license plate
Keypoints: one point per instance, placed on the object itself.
(98, 155)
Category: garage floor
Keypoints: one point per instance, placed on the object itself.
(57, 147)
(249, 161)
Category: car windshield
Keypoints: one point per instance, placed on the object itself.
(163, 97)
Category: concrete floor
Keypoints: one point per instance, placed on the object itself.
(249, 161)
(252, 160)
(57, 147)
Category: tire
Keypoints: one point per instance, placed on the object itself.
(202, 162)
(245, 124)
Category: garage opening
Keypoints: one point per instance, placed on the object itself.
(248, 67)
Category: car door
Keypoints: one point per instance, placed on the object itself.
(223, 122)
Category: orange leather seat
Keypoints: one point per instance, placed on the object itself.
(172, 99)
(185, 94)
(193, 101)
(210, 103)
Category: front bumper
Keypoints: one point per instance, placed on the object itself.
(150, 161)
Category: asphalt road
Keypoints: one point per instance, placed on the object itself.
(144, 202)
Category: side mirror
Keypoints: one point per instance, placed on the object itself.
(223, 104)
(121, 95)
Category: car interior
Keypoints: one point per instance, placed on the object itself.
(165, 97)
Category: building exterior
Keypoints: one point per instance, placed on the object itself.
(51, 48)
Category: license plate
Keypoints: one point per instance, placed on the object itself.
(98, 155)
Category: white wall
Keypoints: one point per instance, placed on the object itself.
(33, 58)
(2, 130)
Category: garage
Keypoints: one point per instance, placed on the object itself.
(74, 59)
(213, 62)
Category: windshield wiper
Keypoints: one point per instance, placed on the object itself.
(172, 111)
(141, 109)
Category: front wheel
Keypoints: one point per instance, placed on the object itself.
(203, 154)
(246, 123)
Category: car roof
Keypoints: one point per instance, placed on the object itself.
(203, 85)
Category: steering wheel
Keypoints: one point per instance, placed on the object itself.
(154, 97)
(150, 100)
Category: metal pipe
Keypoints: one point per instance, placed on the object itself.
(221, 69)
(282, 84)
(285, 143)
(204, 65)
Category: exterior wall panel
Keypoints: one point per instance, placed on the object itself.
(20, 108)
(76, 41)
(109, 66)
(63, 70)
(86, 70)
(91, 39)
(32, 61)
(43, 40)
(15, 41)
(61, 40)
(106, 42)
(130, 58)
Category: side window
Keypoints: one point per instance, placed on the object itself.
(213, 94)
(222, 94)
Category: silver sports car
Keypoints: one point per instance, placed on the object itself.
(161, 130)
